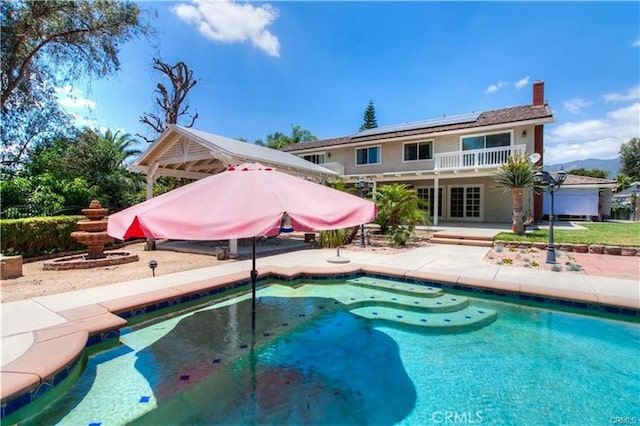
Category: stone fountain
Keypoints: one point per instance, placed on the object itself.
(91, 232)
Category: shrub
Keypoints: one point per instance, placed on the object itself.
(400, 235)
(333, 238)
(573, 267)
(38, 235)
(399, 211)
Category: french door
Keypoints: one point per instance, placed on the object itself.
(465, 202)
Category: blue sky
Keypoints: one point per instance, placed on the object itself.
(262, 67)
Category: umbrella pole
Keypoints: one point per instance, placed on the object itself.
(254, 277)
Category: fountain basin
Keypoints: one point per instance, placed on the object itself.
(92, 225)
(91, 238)
(82, 261)
(95, 213)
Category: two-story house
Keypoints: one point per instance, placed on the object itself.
(453, 157)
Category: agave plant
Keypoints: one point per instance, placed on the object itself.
(516, 175)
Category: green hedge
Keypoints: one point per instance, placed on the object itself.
(37, 236)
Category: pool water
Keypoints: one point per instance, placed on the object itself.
(361, 352)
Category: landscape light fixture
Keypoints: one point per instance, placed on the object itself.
(153, 265)
(546, 182)
(364, 187)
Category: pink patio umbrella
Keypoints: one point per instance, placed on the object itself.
(249, 200)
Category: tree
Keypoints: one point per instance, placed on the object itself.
(279, 140)
(630, 159)
(623, 182)
(25, 127)
(62, 39)
(45, 43)
(399, 211)
(516, 175)
(71, 171)
(595, 173)
(170, 101)
(102, 159)
(370, 121)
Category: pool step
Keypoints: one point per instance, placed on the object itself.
(467, 319)
(444, 313)
(414, 302)
(395, 286)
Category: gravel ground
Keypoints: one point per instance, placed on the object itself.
(35, 282)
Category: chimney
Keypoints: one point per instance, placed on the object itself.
(538, 93)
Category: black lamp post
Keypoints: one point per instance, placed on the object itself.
(153, 265)
(364, 187)
(546, 182)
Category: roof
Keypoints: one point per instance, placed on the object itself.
(633, 189)
(462, 122)
(187, 152)
(576, 180)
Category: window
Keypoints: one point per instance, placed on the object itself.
(486, 141)
(416, 151)
(317, 158)
(369, 155)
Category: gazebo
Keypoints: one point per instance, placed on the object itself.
(184, 152)
(188, 153)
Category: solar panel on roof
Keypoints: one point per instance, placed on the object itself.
(422, 124)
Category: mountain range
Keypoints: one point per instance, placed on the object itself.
(611, 165)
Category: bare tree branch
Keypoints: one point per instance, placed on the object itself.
(181, 78)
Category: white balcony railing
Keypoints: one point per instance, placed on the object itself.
(477, 158)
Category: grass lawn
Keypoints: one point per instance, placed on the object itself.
(609, 233)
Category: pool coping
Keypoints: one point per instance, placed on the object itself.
(56, 350)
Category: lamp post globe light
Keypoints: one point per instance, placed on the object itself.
(363, 188)
(546, 182)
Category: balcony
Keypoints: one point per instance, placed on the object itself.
(477, 158)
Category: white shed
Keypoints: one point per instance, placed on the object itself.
(583, 197)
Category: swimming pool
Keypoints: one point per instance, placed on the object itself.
(366, 351)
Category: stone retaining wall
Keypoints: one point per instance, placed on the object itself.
(578, 248)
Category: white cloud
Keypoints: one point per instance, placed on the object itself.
(231, 22)
(71, 98)
(574, 105)
(636, 42)
(82, 121)
(632, 94)
(595, 138)
(495, 87)
(522, 82)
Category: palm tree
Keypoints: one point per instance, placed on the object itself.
(515, 175)
(399, 211)
(104, 158)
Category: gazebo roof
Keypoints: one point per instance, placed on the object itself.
(188, 153)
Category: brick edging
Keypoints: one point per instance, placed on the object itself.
(109, 247)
